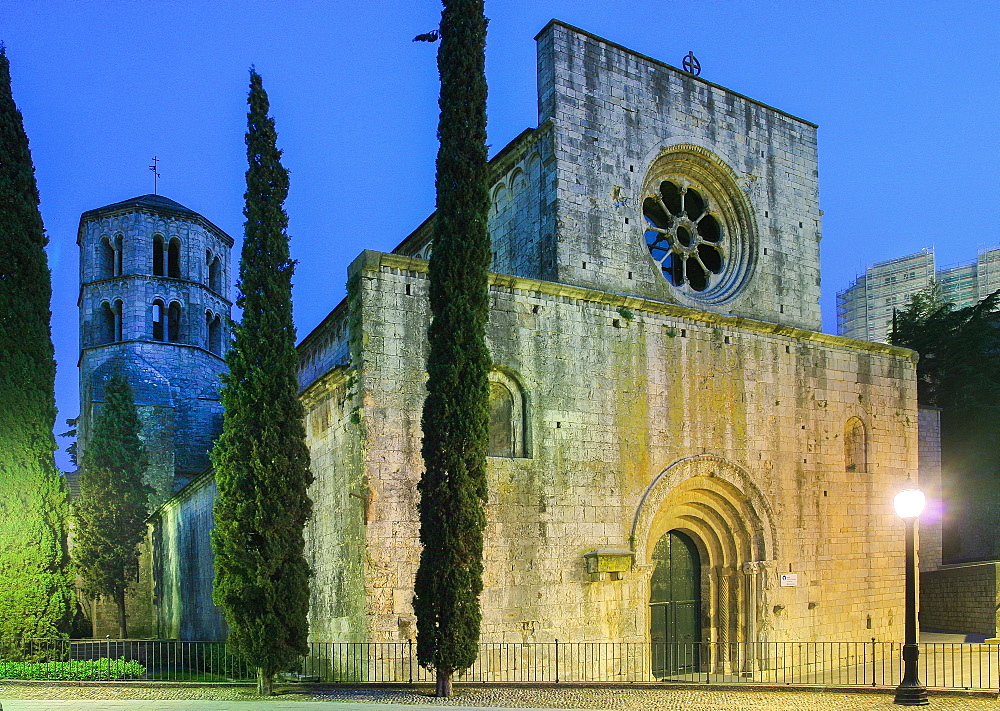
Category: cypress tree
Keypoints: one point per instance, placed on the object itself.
(36, 592)
(114, 499)
(453, 487)
(261, 460)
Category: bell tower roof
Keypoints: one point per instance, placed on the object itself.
(158, 204)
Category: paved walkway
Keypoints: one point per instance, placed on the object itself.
(64, 698)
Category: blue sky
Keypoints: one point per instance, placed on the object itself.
(905, 94)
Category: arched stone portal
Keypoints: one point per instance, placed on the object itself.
(716, 506)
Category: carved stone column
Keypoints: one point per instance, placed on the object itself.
(721, 620)
(751, 577)
(727, 618)
(765, 582)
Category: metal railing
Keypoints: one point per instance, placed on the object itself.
(942, 665)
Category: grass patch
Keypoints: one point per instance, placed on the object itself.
(184, 675)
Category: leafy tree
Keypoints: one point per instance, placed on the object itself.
(114, 499)
(453, 487)
(959, 372)
(36, 586)
(261, 460)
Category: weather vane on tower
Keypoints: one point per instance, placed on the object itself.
(156, 175)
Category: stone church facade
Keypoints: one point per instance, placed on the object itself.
(677, 452)
(660, 382)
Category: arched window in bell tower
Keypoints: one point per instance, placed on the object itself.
(213, 326)
(174, 322)
(215, 275)
(118, 255)
(158, 319)
(107, 324)
(174, 259)
(158, 256)
(118, 310)
(106, 260)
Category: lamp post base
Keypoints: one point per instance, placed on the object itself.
(910, 694)
(910, 691)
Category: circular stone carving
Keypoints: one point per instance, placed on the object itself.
(697, 226)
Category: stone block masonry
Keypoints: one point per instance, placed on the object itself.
(961, 598)
(618, 390)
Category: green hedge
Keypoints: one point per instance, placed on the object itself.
(90, 670)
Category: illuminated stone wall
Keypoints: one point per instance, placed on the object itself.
(182, 566)
(640, 417)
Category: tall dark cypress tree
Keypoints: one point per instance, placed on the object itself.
(453, 487)
(114, 499)
(261, 460)
(36, 591)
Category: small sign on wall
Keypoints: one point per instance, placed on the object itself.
(789, 580)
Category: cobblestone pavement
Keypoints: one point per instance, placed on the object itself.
(38, 697)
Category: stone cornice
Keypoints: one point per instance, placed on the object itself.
(371, 261)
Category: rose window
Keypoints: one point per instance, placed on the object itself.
(685, 237)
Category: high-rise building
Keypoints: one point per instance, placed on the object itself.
(865, 308)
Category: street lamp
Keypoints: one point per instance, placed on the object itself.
(909, 503)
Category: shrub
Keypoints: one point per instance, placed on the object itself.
(89, 670)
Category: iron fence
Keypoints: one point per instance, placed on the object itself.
(878, 664)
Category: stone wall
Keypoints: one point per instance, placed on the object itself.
(176, 389)
(614, 114)
(618, 391)
(182, 566)
(961, 598)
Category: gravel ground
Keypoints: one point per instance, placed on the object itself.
(688, 699)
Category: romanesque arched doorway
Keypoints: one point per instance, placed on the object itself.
(675, 605)
(710, 513)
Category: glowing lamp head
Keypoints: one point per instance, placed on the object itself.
(909, 503)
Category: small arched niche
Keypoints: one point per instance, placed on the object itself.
(507, 417)
(855, 446)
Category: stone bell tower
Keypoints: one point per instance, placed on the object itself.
(154, 302)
